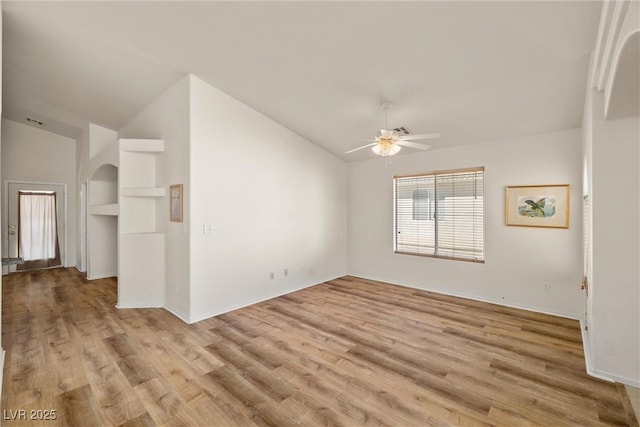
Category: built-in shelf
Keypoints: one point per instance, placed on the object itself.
(142, 145)
(107, 209)
(141, 244)
(102, 221)
(142, 191)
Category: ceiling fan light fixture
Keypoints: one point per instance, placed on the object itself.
(386, 134)
(389, 141)
(386, 148)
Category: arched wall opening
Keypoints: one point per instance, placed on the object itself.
(102, 223)
(623, 99)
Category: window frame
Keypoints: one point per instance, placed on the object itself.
(435, 196)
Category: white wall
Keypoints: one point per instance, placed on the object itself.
(167, 117)
(611, 151)
(30, 154)
(517, 259)
(100, 139)
(82, 145)
(102, 246)
(92, 138)
(587, 185)
(615, 307)
(616, 248)
(623, 88)
(274, 201)
(96, 150)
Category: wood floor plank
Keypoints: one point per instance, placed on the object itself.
(78, 407)
(160, 401)
(255, 404)
(143, 420)
(63, 355)
(347, 352)
(219, 411)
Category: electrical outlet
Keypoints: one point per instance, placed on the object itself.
(272, 276)
(286, 272)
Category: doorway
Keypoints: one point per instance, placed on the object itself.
(28, 201)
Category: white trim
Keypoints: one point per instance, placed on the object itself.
(84, 217)
(587, 354)
(66, 228)
(616, 378)
(603, 29)
(145, 305)
(615, 26)
(477, 298)
(180, 315)
(104, 276)
(598, 373)
(210, 314)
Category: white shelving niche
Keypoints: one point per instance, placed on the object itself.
(141, 255)
(103, 222)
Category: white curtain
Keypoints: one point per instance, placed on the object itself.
(38, 229)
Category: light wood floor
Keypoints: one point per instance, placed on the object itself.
(349, 352)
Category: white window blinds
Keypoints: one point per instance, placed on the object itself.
(440, 214)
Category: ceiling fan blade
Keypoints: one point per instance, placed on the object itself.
(414, 145)
(419, 136)
(360, 148)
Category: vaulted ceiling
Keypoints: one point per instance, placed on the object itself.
(472, 71)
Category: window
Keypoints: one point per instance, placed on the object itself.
(422, 206)
(440, 214)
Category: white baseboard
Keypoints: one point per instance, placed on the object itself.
(143, 305)
(623, 380)
(476, 298)
(596, 373)
(599, 373)
(180, 315)
(102, 276)
(608, 376)
(587, 356)
(203, 316)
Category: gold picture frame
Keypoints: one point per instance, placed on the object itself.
(175, 203)
(545, 206)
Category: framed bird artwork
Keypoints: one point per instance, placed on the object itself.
(537, 205)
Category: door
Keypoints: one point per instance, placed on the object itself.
(12, 231)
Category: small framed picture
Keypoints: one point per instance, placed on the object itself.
(175, 203)
(538, 205)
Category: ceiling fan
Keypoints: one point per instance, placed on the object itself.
(390, 141)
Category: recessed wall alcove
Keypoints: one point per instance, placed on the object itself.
(102, 223)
